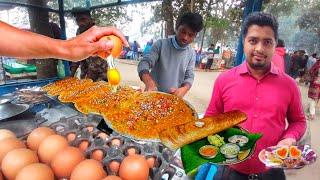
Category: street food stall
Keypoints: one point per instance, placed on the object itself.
(79, 129)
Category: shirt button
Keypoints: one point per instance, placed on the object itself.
(257, 98)
(255, 116)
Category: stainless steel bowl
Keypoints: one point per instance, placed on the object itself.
(8, 110)
(6, 99)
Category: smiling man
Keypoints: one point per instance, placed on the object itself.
(172, 60)
(266, 94)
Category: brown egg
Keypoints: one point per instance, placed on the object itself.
(131, 151)
(88, 169)
(37, 136)
(114, 166)
(1, 177)
(71, 137)
(4, 133)
(112, 178)
(134, 167)
(9, 144)
(83, 146)
(116, 142)
(151, 160)
(50, 146)
(36, 171)
(65, 161)
(17, 159)
(97, 155)
(103, 135)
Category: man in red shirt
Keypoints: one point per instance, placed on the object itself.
(266, 94)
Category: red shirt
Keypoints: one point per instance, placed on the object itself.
(267, 103)
(278, 58)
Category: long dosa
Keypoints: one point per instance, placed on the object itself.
(178, 136)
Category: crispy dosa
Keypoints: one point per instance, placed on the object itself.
(178, 136)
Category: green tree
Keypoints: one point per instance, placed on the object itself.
(280, 8)
(110, 15)
(310, 19)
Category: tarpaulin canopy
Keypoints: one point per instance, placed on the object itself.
(67, 5)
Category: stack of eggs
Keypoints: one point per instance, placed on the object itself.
(76, 153)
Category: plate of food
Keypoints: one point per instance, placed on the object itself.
(287, 157)
(230, 146)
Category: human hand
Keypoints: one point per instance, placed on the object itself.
(88, 44)
(287, 142)
(180, 92)
(151, 87)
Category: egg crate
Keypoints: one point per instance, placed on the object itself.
(67, 124)
(115, 147)
(115, 154)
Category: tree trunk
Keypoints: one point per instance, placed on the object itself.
(187, 6)
(39, 23)
(192, 6)
(167, 11)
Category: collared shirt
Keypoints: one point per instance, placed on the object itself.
(170, 67)
(267, 103)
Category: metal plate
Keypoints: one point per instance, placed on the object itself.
(269, 157)
(6, 99)
(22, 124)
(9, 110)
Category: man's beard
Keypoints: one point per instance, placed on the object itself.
(259, 66)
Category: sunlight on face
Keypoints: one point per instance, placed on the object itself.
(259, 46)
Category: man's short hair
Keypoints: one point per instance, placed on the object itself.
(314, 55)
(192, 20)
(78, 10)
(260, 19)
(280, 43)
(302, 51)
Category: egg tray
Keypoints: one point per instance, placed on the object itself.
(84, 129)
(117, 152)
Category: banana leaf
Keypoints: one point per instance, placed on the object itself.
(192, 159)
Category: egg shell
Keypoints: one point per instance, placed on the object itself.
(97, 155)
(131, 151)
(8, 144)
(37, 136)
(134, 167)
(151, 161)
(5, 133)
(71, 137)
(83, 146)
(36, 171)
(50, 147)
(1, 177)
(114, 166)
(90, 128)
(88, 169)
(112, 178)
(17, 159)
(115, 142)
(103, 135)
(65, 161)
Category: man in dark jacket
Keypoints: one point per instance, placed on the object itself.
(93, 68)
